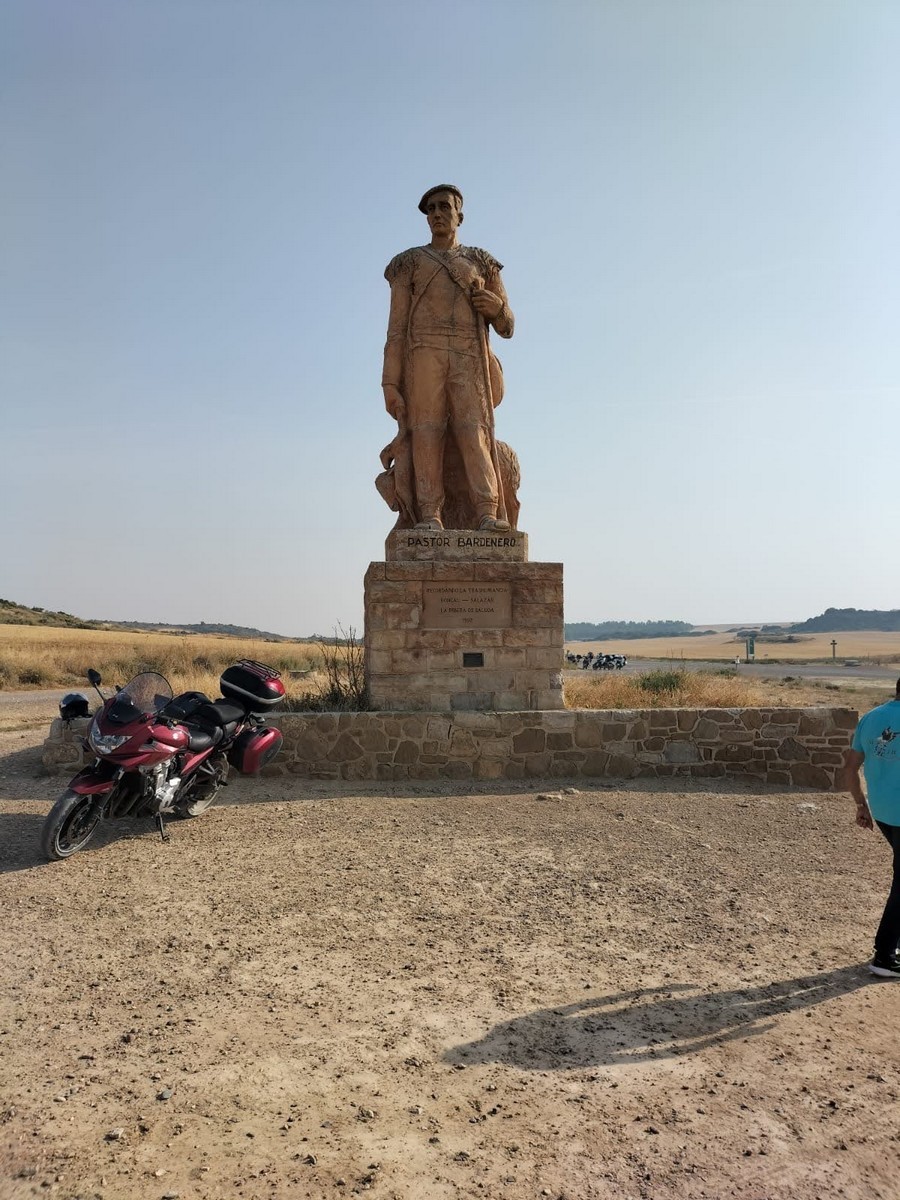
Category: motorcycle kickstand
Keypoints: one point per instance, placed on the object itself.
(160, 825)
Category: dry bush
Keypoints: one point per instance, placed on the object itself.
(37, 656)
(663, 689)
(340, 684)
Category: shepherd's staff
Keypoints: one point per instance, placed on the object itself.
(489, 393)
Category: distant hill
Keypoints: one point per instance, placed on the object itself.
(239, 631)
(12, 613)
(19, 614)
(835, 620)
(586, 631)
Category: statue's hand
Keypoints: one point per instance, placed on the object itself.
(488, 304)
(394, 402)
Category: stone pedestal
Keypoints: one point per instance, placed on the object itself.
(461, 620)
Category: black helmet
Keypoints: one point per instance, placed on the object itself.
(73, 704)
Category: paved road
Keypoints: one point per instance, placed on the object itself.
(763, 670)
(53, 697)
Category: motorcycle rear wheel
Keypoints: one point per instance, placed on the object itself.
(194, 808)
(201, 790)
(197, 800)
(69, 826)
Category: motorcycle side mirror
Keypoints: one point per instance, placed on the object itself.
(95, 679)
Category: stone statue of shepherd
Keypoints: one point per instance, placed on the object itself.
(442, 382)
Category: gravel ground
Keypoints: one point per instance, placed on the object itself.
(430, 991)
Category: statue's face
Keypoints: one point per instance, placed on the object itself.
(442, 213)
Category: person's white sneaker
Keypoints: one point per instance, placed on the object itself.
(885, 968)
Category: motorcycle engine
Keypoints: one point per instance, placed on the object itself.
(164, 785)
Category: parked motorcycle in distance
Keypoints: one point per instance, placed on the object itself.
(160, 755)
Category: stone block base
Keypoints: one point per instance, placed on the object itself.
(464, 634)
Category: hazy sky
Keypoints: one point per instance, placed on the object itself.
(697, 204)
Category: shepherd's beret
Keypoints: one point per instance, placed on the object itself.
(441, 187)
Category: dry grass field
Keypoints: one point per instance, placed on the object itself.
(42, 656)
(35, 657)
(677, 688)
(866, 645)
(706, 689)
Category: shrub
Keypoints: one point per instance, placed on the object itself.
(33, 675)
(662, 681)
(342, 685)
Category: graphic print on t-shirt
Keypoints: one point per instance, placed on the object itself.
(884, 745)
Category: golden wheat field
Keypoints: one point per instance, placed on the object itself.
(676, 688)
(36, 656)
(707, 689)
(868, 646)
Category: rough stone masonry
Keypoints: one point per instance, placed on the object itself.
(781, 746)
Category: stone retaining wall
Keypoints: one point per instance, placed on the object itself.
(801, 747)
(63, 749)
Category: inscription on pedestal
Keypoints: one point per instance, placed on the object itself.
(466, 605)
(459, 545)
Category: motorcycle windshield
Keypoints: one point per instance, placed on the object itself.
(146, 694)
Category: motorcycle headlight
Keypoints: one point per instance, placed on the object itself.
(105, 743)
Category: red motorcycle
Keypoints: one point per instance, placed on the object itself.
(160, 755)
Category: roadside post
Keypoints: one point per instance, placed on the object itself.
(833, 649)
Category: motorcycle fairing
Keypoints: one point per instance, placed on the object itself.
(96, 779)
(171, 737)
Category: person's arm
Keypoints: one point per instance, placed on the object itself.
(853, 760)
(395, 345)
(493, 304)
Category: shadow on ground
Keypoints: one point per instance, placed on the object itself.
(20, 838)
(649, 1024)
(26, 762)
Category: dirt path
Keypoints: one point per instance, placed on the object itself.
(425, 992)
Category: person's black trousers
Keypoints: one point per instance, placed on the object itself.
(887, 938)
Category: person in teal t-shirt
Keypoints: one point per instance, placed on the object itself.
(876, 748)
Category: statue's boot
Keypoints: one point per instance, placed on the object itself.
(433, 524)
(493, 525)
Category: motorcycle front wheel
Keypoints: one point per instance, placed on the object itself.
(70, 825)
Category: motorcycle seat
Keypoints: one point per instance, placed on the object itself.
(201, 739)
(213, 722)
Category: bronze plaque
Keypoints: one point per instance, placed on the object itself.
(466, 605)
